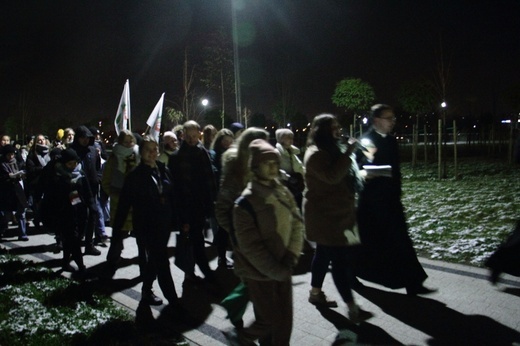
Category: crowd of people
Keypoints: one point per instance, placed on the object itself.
(264, 200)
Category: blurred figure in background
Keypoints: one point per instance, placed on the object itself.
(291, 164)
(169, 145)
(124, 158)
(12, 191)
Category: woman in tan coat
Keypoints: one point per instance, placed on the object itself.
(329, 211)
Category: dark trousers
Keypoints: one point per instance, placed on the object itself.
(341, 259)
(116, 248)
(199, 246)
(71, 247)
(157, 262)
(273, 307)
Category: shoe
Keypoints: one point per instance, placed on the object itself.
(23, 238)
(209, 277)
(232, 338)
(415, 290)
(357, 285)
(91, 250)
(192, 278)
(68, 268)
(320, 299)
(151, 299)
(225, 263)
(238, 324)
(235, 338)
(358, 315)
(494, 276)
(100, 243)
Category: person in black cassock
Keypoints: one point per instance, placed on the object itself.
(388, 257)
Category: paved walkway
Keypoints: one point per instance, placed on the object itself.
(467, 309)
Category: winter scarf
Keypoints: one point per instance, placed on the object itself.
(123, 156)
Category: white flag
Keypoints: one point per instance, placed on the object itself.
(154, 120)
(122, 121)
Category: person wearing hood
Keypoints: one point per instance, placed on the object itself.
(12, 190)
(68, 198)
(83, 145)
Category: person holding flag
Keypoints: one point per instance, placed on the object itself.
(122, 121)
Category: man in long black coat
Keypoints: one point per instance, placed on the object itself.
(195, 189)
(389, 257)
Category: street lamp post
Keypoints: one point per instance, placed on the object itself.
(444, 105)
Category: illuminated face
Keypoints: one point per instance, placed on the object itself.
(129, 142)
(170, 143)
(6, 140)
(40, 140)
(191, 137)
(268, 170)
(286, 141)
(69, 138)
(385, 123)
(149, 153)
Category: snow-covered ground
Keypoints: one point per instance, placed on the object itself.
(461, 220)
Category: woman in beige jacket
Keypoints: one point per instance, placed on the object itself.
(329, 211)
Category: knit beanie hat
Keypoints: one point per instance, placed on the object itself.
(8, 149)
(69, 155)
(262, 151)
(235, 127)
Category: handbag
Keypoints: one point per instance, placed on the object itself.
(184, 259)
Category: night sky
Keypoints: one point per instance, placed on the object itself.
(70, 59)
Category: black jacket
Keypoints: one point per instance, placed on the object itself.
(151, 209)
(194, 181)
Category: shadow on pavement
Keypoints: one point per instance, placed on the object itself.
(513, 291)
(445, 325)
(352, 334)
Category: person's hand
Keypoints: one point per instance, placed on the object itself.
(370, 153)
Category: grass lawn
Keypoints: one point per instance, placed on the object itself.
(461, 220)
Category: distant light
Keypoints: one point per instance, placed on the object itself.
(474, 126)
(288, 124)
(309, 124)
(365, 120)
(205, 102)
(443, 104)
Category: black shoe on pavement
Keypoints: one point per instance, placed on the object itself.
(151, 299)
(225, 263)
(91, 250)
(415, 290)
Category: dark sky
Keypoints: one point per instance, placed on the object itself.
(70, 59)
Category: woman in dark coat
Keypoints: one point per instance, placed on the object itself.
(389, 258)
(12, 189)
(147, 191)
(37, 159)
